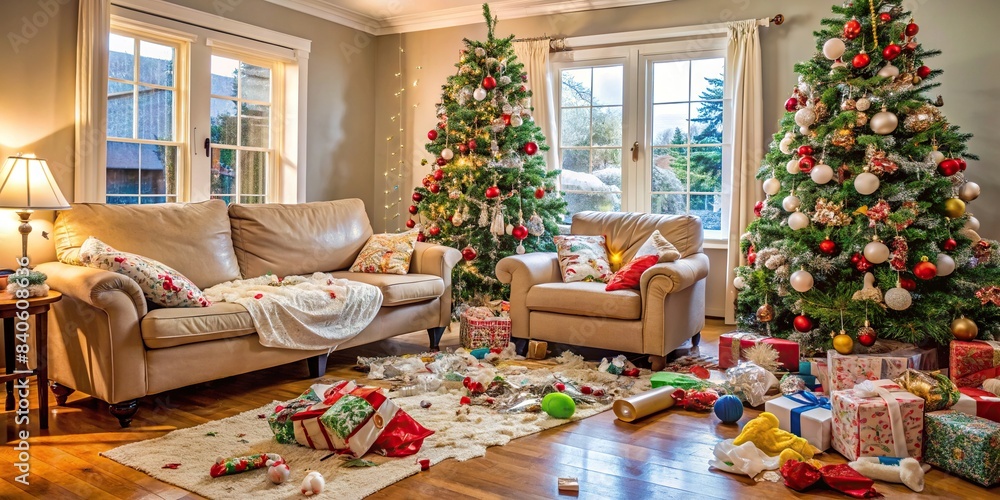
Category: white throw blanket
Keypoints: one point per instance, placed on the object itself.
(302, 312)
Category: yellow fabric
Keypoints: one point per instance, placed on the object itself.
(386, 253)
(764, 433)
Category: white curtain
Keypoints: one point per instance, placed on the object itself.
(534, 54)
(93, 29)
(743, 85)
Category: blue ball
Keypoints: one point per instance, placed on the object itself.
(729, 409)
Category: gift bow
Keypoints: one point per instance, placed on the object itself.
(868, 389)
(809, 402)
(735, 347)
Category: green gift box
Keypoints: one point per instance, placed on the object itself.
(280, 420)
(347, 414)
(963, 445)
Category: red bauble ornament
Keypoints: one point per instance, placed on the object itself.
(414, 209)
(492, 192)
(421, 238)
(961, 164)
(852, 29)
(885, 17)
(469, 253)
(806, 164)
(410, 223)
(751, 258)
(433, 134)
(923, 72)
(757, 207)
(441, 162)
(861, 60)
(949, 244)
(438, 174)
(462, 148)
(472, 144)
(539, 193)
(531, 148)
(925, 270)
(802, 323)
(949, 167)
(863, 265)
(441, 125)
(791, 104)
(489, 83)
(506, 119)
(435, 230)
(434, 188)
(855, 258)
(805, 150)
(912, 29)
(828, 247)
(867, 337)
(417, 197)
(519, 232)
(523, 88)
(427, 181)
(908, 284)
(891, 51)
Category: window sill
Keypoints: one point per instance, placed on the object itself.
(716, 244)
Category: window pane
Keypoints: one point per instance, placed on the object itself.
(670, 124)
(575, 130)
(122, 169)
(252, 199)
(607, 126)
(611, 177)
(223, 175)
(122, 200)
(156, 63)
(671, 81)
(671, 204)
(602, 202)
(577, 160)
(706, 79)
(706, 170)
(159, 169)
(670, 169)
(150, 200)
(224, 72)
(223, 115)
(608, 85)
(607, 158)
(256, 131)
(121, 57)
(576, 87)
(253, 167)
(255, 83)
(706, 122)
(709, 208)
(121, 105)
(156, 114)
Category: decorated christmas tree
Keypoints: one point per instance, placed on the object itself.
(865, 231)
(488, 192)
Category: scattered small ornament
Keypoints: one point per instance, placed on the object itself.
(278, 471)
(425, 404)
(586, 389)
(313, 484)
(171, 465)
(465, 400)
(631, 372)
(425, 464)
(599, 392)
(261, 415)
(560, 386)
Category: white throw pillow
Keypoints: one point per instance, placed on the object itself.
(656, 244)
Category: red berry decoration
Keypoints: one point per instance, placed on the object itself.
(852, 29)
(806, 164)
(855, 259)
(861, 60)
(949, 167)
(433, 134)
(757, 207)
(802, 323)
(417, 197)
(805, 150)
(427, 181)
(925, 270)
(462, 148)
(492, 192)
(519, 232)
(885, 17)
(469, 253)
(791, 104)
(489, 83)
(523, 88)
(751, 258)
(531, 148)
(435, 230)
(908, 284)
(472, 144)
(442, 162)
(586, 389)
(434, 188)
(559, 386)
(867, 337)
(410, 223)
(949, 244)
(912, 29)
(961, 164)
(891, 51)
(828, 247)
(539, 193)
(421, 238)
(438, 174)
(923, 72)
(414, 209)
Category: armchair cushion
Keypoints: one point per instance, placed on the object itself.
(585, 299)
(583, 258)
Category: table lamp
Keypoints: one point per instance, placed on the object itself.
(26, 185)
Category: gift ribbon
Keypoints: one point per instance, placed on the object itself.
(809, 401)
(735, 347)
(868, 389)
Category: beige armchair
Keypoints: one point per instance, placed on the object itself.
(667, 310)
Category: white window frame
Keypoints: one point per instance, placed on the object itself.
(192, 28)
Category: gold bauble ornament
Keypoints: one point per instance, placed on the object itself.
(954, 208)
(843, 343)
(884, 122)
(765, 313)
(964, 329)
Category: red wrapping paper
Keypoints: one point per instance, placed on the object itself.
(800, 476)
(987, 404)
(973, 362)
(788, 351)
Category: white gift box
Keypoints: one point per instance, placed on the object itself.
(815, 425)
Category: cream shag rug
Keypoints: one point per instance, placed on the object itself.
(458, 435)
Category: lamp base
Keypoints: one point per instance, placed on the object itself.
(25, 230)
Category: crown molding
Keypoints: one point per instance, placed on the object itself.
(446, 18)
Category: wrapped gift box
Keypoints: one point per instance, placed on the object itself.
(805, 415)
(979, 403)
(847, 370)
(964, 445)
(816, 367)
(732, 347)
(479, 328)
(865, 425)
(925, 359)
(280, 420)
(973, 362)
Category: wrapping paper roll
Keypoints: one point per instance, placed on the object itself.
(646, 403)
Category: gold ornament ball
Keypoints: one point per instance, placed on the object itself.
(954, 208)
(765, 313)
(843, 343)
(964, 329)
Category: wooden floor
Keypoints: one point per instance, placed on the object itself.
(664, 456)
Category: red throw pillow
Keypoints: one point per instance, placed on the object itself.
(627, 278)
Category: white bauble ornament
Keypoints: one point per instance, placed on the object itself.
(801, 281)
(792, 166)
(898, 299)
(888, 71)
(790, 135)
(805, 117)
(804, 130)
(821, 174)
(876, 252)
(866, 183)
(884, 122)
(479, 94)
(519, 249)
(509, 229)
(798, 220)
(945, 264)
(838, 64)
(772, 186)
(863, 104)
(969, 191)
(937, 157)
(516, 121)
(791, 203)
(738, 283)
(785, 146)
(447, 154)
(834, 48)
(972, 223)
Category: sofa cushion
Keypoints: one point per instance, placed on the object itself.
(171, 327)
(386, 253)
(298, 238)
(193, 238)
(585, 299)
(627, 232)
(399, 289)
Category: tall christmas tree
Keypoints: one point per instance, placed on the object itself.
(864, 232)
(489, 193)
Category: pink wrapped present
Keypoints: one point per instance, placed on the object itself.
(733, 346)
(973, 362)
(978, 403)
(845, 371)
(878, 419)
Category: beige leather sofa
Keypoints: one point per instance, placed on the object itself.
(667, 310)
(106, 341)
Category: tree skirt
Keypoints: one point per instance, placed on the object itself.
(461, 437)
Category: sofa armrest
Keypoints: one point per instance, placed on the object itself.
(437, 260)
(95, 344)
(679, 274)
(523, 272)
(673, 303)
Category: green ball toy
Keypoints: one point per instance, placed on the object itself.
(558, 405)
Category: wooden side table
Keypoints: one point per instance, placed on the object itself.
(39, 308)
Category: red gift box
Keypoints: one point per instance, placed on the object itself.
(979, 403)
(732, 348)
(973, 362)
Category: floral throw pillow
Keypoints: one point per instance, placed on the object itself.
(387, 253)
(627, 278)
(159, 283)
(583, 258)
(657, 245)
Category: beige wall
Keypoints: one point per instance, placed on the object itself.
(969, 87)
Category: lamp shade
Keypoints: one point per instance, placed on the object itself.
(27, 184)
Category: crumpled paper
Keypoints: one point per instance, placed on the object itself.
(743, 459)
(749, 382)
